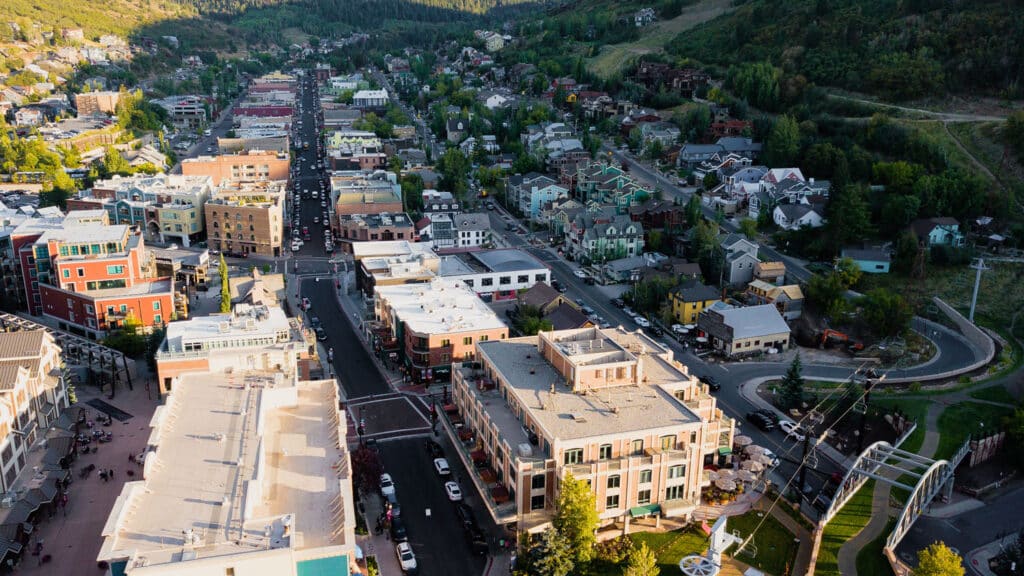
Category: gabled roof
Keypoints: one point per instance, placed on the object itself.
(924, 226)
(21, 344)
(752, 321)
(539, 295)
(565, 316)
(696, 292)
(867, 254)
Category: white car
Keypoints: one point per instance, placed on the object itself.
(792, 430)
(387, 486)
(441, 465)
(405, 556)
(772, 457)
(453, 491)
(642, 322)
(579, 274)
(296, 247)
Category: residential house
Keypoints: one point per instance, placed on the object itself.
(789, 300)
(745, 147)
(692, 155)
(623, 269)
(943, 231)
(690, 299)
(772, 272)
(657, 214)
(602, 235)
(608, 184)
(869, 260)
(664, 133)
(741, 331)
(29, 117)
(644, 16)
(532, 191)
(456, 128)
(796, 216)
(740, 259)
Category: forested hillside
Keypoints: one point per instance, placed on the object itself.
(900, 49)
(94, 17)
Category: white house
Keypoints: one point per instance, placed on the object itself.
(370, 99)
(796, 216)
(495, 101)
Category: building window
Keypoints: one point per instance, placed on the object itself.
(115, 270)
(157, 319)
(156, 305)
(487, 282)
(468, 340)
(674, 493)
(574, 456)
(668, 442)
(537, 502)
(612, 501)
(605, 452)
(614, 481)
(643, 497)
(638, 447)
(505, 280)
(484, 338)
(677, 471)
(81, 272)
(537, 482)
(65, 272)
(645, 476)
(523, 278)
(446, 343)
(540, 278)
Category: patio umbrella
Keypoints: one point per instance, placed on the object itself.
(754, 449)
(726, 474)
(713, 475)
(752, 465)
(743, 440)
(725, 484)
(761, 459)
(746, 475)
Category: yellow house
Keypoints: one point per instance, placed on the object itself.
(690, 300)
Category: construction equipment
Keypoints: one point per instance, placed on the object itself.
(830, 336)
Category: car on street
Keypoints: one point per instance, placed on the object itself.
(433, 448)
(398, 531)
(321, 335)
(770, 414)
(453, 490)
(406, 558)
(618, 303)
(712, 383)
(387, 485)
(761, 421)
(792, 430)
(557, 285)
(477, 541)
(579, 274)
(771, 457)
(442, 467)
(642, 322)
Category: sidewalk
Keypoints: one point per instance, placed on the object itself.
(978, 558)
(378, 545)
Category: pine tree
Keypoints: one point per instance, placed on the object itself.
(792, 385)
(642, 562)
(555, 558)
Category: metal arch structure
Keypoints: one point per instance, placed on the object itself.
(937, 479)
(854, 478)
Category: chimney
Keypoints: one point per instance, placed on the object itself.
(812, 181)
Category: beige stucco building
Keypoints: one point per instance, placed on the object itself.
(611, 407)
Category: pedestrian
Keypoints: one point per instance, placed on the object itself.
(111, 473)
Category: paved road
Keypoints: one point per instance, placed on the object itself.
(437, 539)
(306, 176)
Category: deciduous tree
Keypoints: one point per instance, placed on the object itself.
(783, 144)
(886, 312)
(576, 517)
(225, 286)
(939, 560)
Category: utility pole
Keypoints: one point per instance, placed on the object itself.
(979, 267)
(803, 462)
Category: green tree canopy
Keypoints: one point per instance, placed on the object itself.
(886, 312)
(641, 562)
(555, 556)
(225, 286)
(783, 145)
(576, 517)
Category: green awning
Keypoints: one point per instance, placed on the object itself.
(118, 568)
(645, 510)
(724, 451)
(333, 566)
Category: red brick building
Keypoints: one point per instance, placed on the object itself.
(92, 277)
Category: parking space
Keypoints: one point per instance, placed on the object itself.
(434, 528)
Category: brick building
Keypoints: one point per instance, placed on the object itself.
(246, 218)
(250, 166)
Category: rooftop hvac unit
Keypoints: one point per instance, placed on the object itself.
(525, 450)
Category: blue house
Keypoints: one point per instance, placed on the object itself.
(870, 260)
(938, 232)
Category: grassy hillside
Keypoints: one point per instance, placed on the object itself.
(95, 17)
(901, 49)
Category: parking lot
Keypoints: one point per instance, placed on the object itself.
(435, 531)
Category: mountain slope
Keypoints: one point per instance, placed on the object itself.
(897, 48)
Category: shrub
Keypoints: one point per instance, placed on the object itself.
(615, 550)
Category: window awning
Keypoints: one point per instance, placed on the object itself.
(725, 450)
(645, 510)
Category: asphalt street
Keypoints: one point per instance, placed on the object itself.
(434, 530)
(307, 176)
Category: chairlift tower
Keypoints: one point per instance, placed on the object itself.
(979, 267)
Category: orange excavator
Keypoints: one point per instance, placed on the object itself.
(830, 336)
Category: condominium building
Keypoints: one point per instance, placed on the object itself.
(12, 286)
(185, 112)
(247, 473)
(368, 227)
(33, 394)
(249, 337)
(247, 166)
(89, 103)
(612, 407)
(435, 324)
(363, 192)
(246, 218)
(91, 276)
(168, 208)
(370, 99)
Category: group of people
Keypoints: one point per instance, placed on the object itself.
(107, 475)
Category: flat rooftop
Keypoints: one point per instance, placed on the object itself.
(202, 482)
(87, 232)
(567, 415)
(380, 248)
(439, 307)
(251, 322)
(140, 289)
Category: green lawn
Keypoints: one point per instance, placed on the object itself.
(668, 547)
(845, 525)
(995, 394)
(916, 410)
(870, 560)
(774, 543)
(959, 421)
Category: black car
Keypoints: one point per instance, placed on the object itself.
(314, 322)
(321, 335)
(655, 331)
(761, 421)
(434, 449)
(769, 414)
(398, 531)
(557, 285)
(712, 383)
(465, 514)
(477, 541)
(618, 302)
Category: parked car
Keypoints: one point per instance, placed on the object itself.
(465, 515)
(770, 414)
(398, 531)
(579, 274)
(712, 383)
(441, 465)
(477, 541)
(406, 558)
(453, 490)
(387, 485)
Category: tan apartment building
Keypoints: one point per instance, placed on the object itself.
(33, 394)
(246, 218)
(435, 324)
(364, 193)
(90, 103)
(255, 165)
(611, 407)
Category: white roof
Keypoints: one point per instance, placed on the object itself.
(440, 306)
(249, 322)
(370, 94)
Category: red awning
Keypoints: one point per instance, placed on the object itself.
(478, 456)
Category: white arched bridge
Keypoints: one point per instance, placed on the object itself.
(923, 477)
